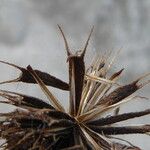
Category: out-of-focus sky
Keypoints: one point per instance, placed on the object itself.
(29, 35)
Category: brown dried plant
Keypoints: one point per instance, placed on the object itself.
(37, 125)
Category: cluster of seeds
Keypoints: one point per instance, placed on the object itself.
(37, 125)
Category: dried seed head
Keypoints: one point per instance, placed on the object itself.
(37, 125)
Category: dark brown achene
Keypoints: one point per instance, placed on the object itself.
(37, 125)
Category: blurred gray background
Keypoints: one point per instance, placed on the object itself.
(29, 35)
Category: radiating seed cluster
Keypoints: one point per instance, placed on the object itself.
(37, 125)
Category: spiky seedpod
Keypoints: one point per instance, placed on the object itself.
(37, 125)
